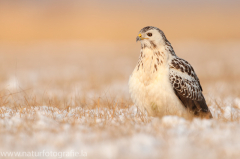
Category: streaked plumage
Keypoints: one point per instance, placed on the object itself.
(162, 83)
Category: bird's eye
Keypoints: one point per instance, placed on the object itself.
(149, 34)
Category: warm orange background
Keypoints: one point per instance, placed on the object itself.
(28, 20)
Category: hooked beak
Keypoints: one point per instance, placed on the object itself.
(139, 37)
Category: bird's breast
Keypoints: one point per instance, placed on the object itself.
(152, 65)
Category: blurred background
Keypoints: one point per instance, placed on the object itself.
(35, 20)
(85, 46)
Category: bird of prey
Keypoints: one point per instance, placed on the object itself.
(162, 83)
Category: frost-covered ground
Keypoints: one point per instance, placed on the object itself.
(117, 133)
(70, 102)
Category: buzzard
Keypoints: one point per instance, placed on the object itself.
(162, 83)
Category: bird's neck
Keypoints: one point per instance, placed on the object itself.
(152, 59)
(168, 47)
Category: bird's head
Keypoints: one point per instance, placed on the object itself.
(151, 37)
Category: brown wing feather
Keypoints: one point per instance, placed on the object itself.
(187, 87)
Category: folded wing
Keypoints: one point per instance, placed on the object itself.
(187, 87)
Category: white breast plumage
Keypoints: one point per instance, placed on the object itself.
(150, 87)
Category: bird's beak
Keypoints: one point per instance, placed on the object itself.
(139, 37)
